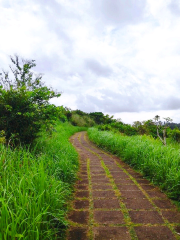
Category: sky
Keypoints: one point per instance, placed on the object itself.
(118, 57)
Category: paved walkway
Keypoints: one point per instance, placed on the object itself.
(113, 202)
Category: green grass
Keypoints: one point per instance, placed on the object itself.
(36, 185)
(158, 163)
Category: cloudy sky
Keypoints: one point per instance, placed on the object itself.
(120, 57)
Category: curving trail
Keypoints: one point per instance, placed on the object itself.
(113, 202)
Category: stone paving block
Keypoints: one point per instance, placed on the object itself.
(79, 204)
(148, 187)
(119, 175)
(154, 233)
(142, 181)
(77, 234)
(177, 229)
(135, 175)
(82, 194)
(145, 217)
(83, 181)
(95, 164)
(111, 233)
(116, 172)
(94, 168)
(98, 176)
(81, 187)
(111, 165)
(163, 203)
(79, 217)
(132, 194)
(101, 187)
(128, 187)
(83, 172)
(124, 182)
(83, 168)
(97, 172)
(83, 177)
(171, 216)
(138, 204)
(108, 161)
(108, 217)
(156, 194)
(100, 181)
(106, 203)
(103, 194)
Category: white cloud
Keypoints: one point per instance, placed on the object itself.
(119, 57)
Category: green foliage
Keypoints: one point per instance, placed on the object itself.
(36, 186)
(100, 118)
(158, 163)
(105, 127)
(174, 135)
(119, 127)
(2, 137)
(24, 102)
(81, 121)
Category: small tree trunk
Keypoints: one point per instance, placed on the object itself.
(164, 136)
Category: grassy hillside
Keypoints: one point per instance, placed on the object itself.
(35, 186)
(158, 163)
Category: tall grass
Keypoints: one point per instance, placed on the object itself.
(35, 186)
(158, 163)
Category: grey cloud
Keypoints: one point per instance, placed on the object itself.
(113, 102)
(174, 7)
(120, 12)
(171, 103)
(97, 68)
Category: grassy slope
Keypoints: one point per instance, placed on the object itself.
(35, 186)
(158, 163)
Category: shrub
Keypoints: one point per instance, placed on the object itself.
(24, 102)
(175, 135)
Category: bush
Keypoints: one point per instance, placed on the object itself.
(24, 102)
(81, 121)
(175, 135)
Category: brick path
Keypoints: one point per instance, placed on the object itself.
(113, 202)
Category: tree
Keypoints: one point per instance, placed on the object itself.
(161, 127)
(24, 102)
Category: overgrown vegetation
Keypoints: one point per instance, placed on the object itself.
(158, 163)
(35, 186)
